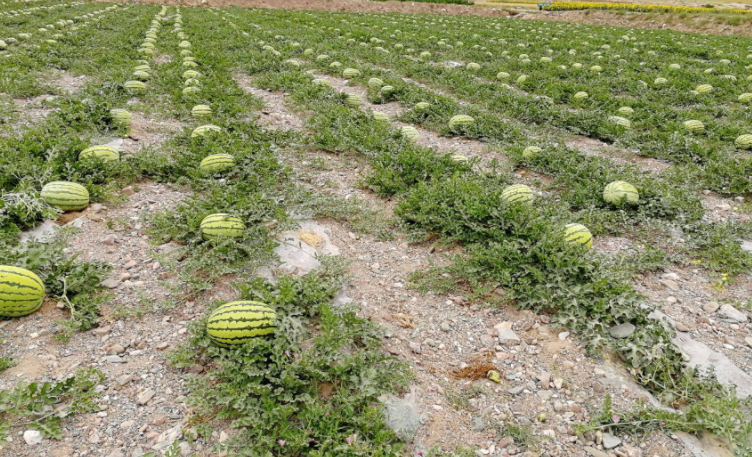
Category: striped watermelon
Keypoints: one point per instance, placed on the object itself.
(660, 81)
(239, 322)
(350, 73)
(67, 196)
(321, 82)
(353, 101)
(379, 116)
(217, 162)
(472, 66)
(422, 106)
(204, 129)
(460, 122)
(704, 88)
(503, 76)
(578, 233)
(21, 292)
(459, 158)
(184, 44)
(581, 95)
(619, 191)
(190, 64)
(745, 98)
(375, 83)
(134, 87)
(190, 74)
(409, 133)
(201, 110)
(531, 151)
(191, 90)
(621, 121)
(386, 90)
(517, 193)
(221, 225)
(744, 142)
(103, 152)
(120, 117)
(694, 125)
(141, 75)
(625, 111)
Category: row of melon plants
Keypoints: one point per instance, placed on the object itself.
(26, 66)
(609, 59)
(662, 207)
(302, 334)
(512, 245)
(722, 171)
(31, 269)
(52, 168)
(44, 24)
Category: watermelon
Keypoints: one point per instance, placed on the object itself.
(694, 125)
(204, 129)
(517, 193)
(217, 162)
(239, 322)
(201, 111)
(704, 88)
(353, 101)
(409, 133)
(531, 151)
(106, 153)
(134, 87)
(350, 73)
(581, 95)
(578, 233)
(375, 83)
(21, 291)
(221, 225)
(379, 116)
(619, 191)
(460, 122)
(120, 117)
(67, 196)
(744, 142)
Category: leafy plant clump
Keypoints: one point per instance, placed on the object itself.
(312, 389)
(42, 406)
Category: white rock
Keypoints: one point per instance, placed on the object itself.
(730, 313)
(32, 437)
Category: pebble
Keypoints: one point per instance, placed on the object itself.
(610, 441)
(128, 191)
(748, 340)
(113, 359)
(622, 330)
(124, 379)
(144, 397)
(32, 437)
(732, 314)
(110, 283)
(415, 347)
(711, 307)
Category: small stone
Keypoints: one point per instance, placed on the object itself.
(94, 437)
(101, 331)
(732, 314)
(595, 452)
(748, 340)
(113, 359)
(109, 240)
(128, 191)
(162, 346)
(196, 368)
(563, 335)
(711, 307)
(622, 330)
(123, 379)
(681, 327)
(516, 390)
(110, 283)
(116, 349)
(415, 347)
(144, 397)
(505, 442)
(670, 284)
(558, 383)
(32, 437)
(445, 327)
(610, 441)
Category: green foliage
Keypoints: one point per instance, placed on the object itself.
(311, 389)
(41, 406)
(713, 409)
(73, 282)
